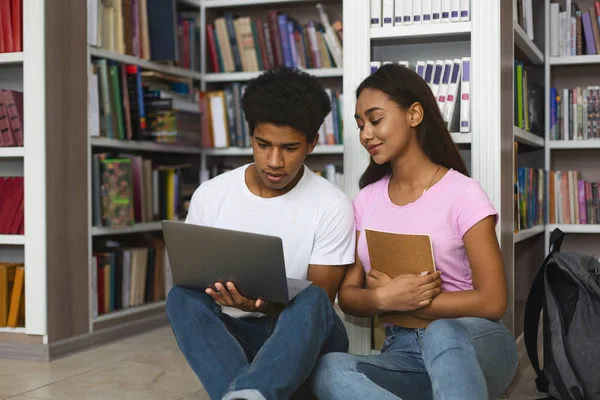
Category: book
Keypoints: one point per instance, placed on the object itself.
(396, 254)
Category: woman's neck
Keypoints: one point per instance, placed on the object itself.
(412, 170)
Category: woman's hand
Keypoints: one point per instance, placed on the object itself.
(409, 292)
(376, 279)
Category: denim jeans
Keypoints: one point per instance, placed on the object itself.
(465, 358)
(254, 358)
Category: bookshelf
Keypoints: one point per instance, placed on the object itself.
(529, 158)
(487, 39)
(66, 138)
(328, 152)
(573, 147)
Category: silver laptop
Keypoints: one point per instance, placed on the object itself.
(200, 256)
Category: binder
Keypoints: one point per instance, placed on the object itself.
(395, 254)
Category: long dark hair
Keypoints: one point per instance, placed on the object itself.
(405, 87)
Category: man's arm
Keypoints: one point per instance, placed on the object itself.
(327, 277)
(333, 248)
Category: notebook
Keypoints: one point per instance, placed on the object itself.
(395, 254)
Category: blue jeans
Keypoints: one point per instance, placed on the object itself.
(254, 358)
(465, 358)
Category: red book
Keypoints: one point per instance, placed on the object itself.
(17, 24)
(7, 31)
(13, 102)
(212, 47)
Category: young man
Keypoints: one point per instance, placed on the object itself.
(247, 348)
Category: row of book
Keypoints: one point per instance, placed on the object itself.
(409, 12)
(575, 113)
(447, 80)
(11, 26)
(574, 31)
(224, 125)
(12, 291)
(12, 220)
(246, 44)
(128, 189)
(11, 117)
(128, 104)
(148, 29)
(530, 207)
(523, 16)
(129, 276)
(573, 200)
(528, 102)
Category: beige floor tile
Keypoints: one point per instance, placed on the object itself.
(157, 375)
(199, 395)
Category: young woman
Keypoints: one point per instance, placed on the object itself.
(417, 183)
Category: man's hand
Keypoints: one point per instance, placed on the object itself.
(231, 297)
(377, 279)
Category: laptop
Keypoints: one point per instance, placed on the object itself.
(200, 256)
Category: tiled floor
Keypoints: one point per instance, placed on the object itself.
(148, 367)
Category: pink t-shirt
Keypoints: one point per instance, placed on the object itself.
(445, 212)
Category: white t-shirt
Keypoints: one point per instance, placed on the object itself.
(314, 220)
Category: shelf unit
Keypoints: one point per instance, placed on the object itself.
(487, 149)
(579, 155)
(56, 163)
(214, 77)
(423, 32)
(51, 73)
(12, 152)
(12, 240)
(527, 242)
(305, 10)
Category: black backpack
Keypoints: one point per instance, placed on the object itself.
(567, 289)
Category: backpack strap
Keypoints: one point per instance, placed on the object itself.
(570, 383)
(533, 309)
(556, 238)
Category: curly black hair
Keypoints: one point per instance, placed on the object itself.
(286, 97)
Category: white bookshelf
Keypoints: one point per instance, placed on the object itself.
(97, 52)
(13, 330)
(574, 60)
(527, 46)
(575, 155)
(574, 144)
(248, 3)
(143, 146)
(137, 228)
(454, 30)
(575, 228)
(246, 76)
(12, 240)
(529, 233)
(487, 147)
(12, 152)
(239, 151)
(157, 305)
(10, 59)
(528, 138)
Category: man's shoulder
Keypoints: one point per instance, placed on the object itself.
(323, 189)
(225, 179)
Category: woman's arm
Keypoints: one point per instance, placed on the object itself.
(488, 299)
(402, 293)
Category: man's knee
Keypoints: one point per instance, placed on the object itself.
(313, 295)
(181, 301)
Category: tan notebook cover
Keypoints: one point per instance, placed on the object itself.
(395, 254)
